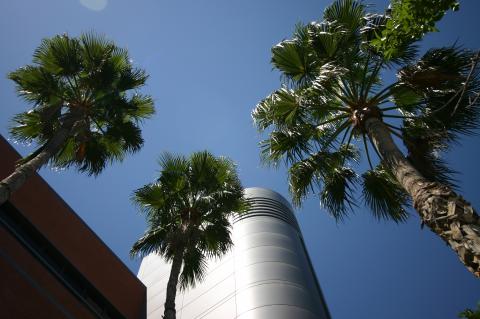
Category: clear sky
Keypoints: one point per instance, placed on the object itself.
(208, 62)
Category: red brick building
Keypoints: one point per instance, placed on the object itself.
(52, 265)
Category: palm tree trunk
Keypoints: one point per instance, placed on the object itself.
(440, 208)
(15, 180)
(170, 312)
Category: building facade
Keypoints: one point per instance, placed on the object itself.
(267, 274)
(52, 265)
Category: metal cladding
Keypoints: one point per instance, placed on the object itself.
(267, 274)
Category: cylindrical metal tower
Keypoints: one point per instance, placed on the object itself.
(267, 274)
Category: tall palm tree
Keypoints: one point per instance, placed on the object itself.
(187, 210)
(335, 100)
(86, 108)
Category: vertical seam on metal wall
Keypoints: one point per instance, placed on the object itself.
(235, 279)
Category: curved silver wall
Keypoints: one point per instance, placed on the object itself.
(266, 275)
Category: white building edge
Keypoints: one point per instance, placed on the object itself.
(267, 274)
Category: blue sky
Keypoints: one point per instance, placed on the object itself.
(209, 65)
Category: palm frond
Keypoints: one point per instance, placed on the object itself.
(280, 108)
(59, 55)
(293, 57)
(216, 237)
(451, 107)
(403, 55)
(95, 49)
(337, 193)
(327, 39)
(174, 174)
(26, 127)
(287, 145)
(151, 241)
(36, 85)
(385, 197)
(406, 99)
(91, 151)
(303, 177)
(424, 146)
(347, 13)
(308, 174)
(142, 107)
(203, 172)
(194, 268)
(150, 197)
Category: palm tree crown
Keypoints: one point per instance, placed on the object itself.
(89, 86)
(334, 100)
(333, 84)
(187, 211)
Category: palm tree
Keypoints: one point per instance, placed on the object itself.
(334, 100)
(86, 108)
(187, 210)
